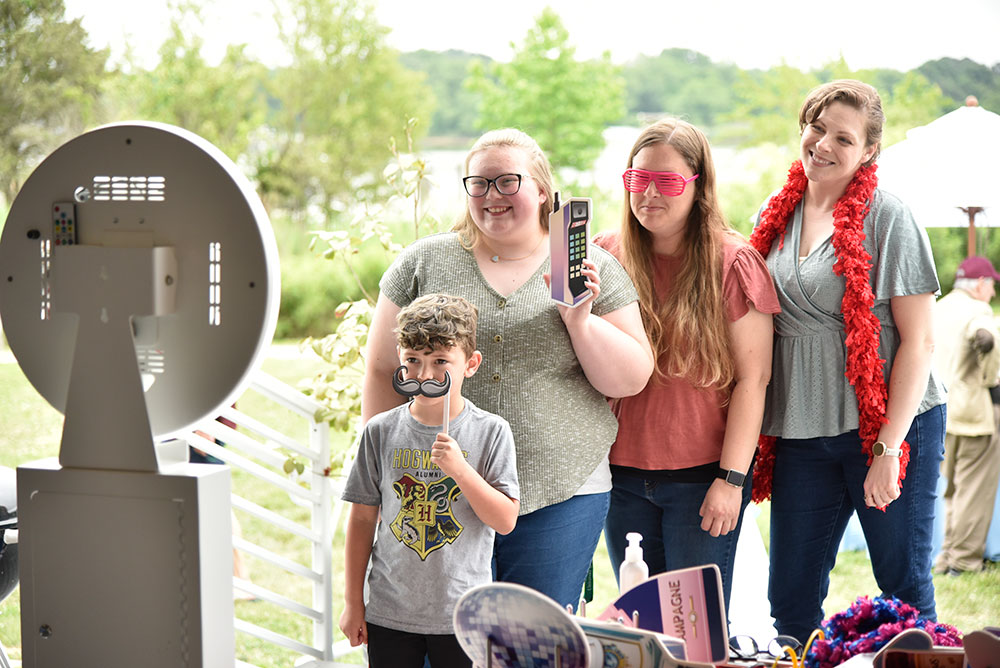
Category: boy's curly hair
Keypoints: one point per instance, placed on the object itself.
(435, 321)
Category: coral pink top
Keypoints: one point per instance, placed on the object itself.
(672, 424)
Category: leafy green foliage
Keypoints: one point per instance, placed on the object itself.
(680, 82)
(563, 103)
(911, 102)
(338, 386)
(689, 84)
(455, 108)
(960, 78)
(767, 104)
(344, 91)
(950, 247)
(311, 287)
(50, 82)
(223, 104)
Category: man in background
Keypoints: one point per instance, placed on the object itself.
(967, 355)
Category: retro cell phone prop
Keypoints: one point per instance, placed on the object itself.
(569, 234)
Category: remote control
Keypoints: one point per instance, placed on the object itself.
(63, 223)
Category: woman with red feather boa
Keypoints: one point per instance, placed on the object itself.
(853, 407)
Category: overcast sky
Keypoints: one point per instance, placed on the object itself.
(898, 34)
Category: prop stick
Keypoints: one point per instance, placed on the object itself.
(434, 389)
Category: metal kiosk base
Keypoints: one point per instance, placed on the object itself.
(122, 569)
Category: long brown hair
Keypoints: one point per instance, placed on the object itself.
(687, 326)
(538, 168)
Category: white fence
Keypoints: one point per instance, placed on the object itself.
(257, 455)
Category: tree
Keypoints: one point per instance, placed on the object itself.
(456, 108)
(49, 83)
(337, 386)
(563, 103)
(911, 102)
(769, 101)
(344, 92)
(908, 100)
(767, 104)
(682, 83)
(961, 78)
(224, 104)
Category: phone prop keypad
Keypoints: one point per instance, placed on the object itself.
(569, 232)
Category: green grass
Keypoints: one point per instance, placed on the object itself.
(31, 429)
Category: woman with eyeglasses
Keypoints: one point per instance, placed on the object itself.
(854, 416)
(546, 368)
(685, 445)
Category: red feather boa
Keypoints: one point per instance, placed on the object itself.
(864, 366)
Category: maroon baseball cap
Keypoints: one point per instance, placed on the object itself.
(977, 267)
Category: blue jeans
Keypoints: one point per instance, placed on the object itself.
(666, 514)
(818, 485)
(550, 550)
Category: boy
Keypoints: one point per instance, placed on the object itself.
(440, 503)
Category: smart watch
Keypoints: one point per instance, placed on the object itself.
(879, 449)
(731, 476)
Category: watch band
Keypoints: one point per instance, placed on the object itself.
(880, 449)
(731, 476)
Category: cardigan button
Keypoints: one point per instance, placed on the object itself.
(496, 378)
(501, 303)
(498, 338)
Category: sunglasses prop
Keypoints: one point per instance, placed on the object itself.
(411, 387)
(670, 184)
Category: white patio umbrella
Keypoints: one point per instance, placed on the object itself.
(948, 171)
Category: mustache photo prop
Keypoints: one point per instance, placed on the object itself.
(411, 387)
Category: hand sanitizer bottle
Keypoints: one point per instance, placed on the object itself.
(633, 570)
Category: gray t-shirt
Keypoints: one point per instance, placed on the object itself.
(430, 546)
(809, 395)
(563, 427)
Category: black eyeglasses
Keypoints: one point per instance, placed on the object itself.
(506, 184)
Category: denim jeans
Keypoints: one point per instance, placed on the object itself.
(666, 514)
(818, 485)
(550, 550)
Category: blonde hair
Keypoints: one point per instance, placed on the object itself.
(437, 321)
(853, 93)
(687, 326)
(538, 169)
